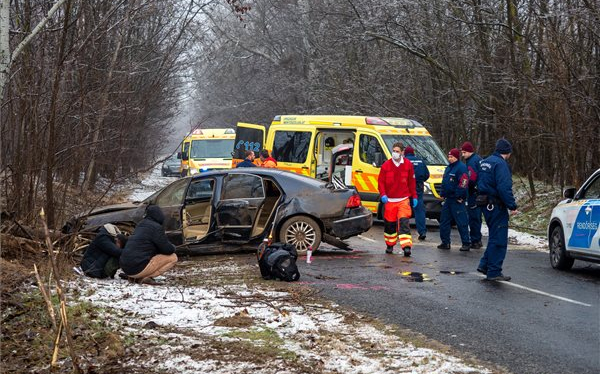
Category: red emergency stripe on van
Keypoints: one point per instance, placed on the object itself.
(365, 182)
(294, 170)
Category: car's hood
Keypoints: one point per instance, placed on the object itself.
(114, 208)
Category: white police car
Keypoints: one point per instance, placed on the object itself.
(573, 230)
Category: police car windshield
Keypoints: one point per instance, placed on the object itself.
(425, 147)
(211, 148)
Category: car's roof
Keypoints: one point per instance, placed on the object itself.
(272, 172)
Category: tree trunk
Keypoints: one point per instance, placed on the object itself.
(50, 212)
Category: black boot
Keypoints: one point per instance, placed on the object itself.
(444, 246)
(465, 248)
(476, 245)
(406, 251)
(500, 277)
(389, 249)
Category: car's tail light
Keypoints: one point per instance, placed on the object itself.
(353, 201)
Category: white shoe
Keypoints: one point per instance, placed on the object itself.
(78, 270)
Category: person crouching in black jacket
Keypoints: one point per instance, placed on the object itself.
(101, 258)
(148, 252)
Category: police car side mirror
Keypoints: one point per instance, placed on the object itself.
(569, 193)
(179, 155)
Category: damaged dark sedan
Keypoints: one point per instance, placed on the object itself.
(212, 211)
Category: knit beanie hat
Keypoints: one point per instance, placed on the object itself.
(409, 150)
(454, 152)
(467, 147)
(503, 146)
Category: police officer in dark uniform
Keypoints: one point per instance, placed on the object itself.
(421, 175)
(455, 188)
(472, 161)
(495, 192)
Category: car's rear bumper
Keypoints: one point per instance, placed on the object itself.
(358, 221)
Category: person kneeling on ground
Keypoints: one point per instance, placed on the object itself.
(148, 252)
(101, 258)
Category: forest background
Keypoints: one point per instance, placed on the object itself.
(89, 89)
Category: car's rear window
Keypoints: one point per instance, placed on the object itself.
(304, 179)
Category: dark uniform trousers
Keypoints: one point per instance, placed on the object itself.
(493, 257)
(474, 219)
(452, 209)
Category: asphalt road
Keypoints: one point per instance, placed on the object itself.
(543, 321)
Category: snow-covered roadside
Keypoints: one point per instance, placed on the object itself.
(207, 318)
(153, 182)
(522, 239)
(203, 324)
(195, 320)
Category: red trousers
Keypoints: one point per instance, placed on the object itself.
(397, 214)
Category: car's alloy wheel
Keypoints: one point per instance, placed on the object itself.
(559, 259)
(301, 231)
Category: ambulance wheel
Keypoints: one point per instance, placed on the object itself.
(559, 259)
(302, 232)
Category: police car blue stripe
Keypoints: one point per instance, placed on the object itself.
(586, 225)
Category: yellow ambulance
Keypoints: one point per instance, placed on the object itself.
(206, 149)
(305, 144)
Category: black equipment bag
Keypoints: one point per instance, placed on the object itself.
(278, 261)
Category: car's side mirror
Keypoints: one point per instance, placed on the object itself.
(569, 193)
(379, 159)
(184, 156)
(179, 155)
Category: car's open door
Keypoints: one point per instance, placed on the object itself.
(248, 137)
(340, 166)
(197, 217)
(238, 206)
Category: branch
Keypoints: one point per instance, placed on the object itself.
(239, 43)
(433, 62)
(34, 32)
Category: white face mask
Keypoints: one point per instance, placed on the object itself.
(396, 156)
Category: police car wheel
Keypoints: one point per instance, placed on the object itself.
(302, 232)
(559, 259)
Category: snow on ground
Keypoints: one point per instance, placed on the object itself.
(196, 318)
(150, 184)
(521, 239)
(320, 336)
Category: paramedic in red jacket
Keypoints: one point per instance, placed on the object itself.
(397, 188)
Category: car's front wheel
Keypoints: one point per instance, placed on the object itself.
(301, 231)
(559, 259)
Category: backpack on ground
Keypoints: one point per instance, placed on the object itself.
(278, 261)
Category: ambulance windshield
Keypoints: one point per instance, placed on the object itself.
(424, 146)
(211, 148)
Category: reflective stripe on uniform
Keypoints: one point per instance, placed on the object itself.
(405, 240)
(390, 239)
